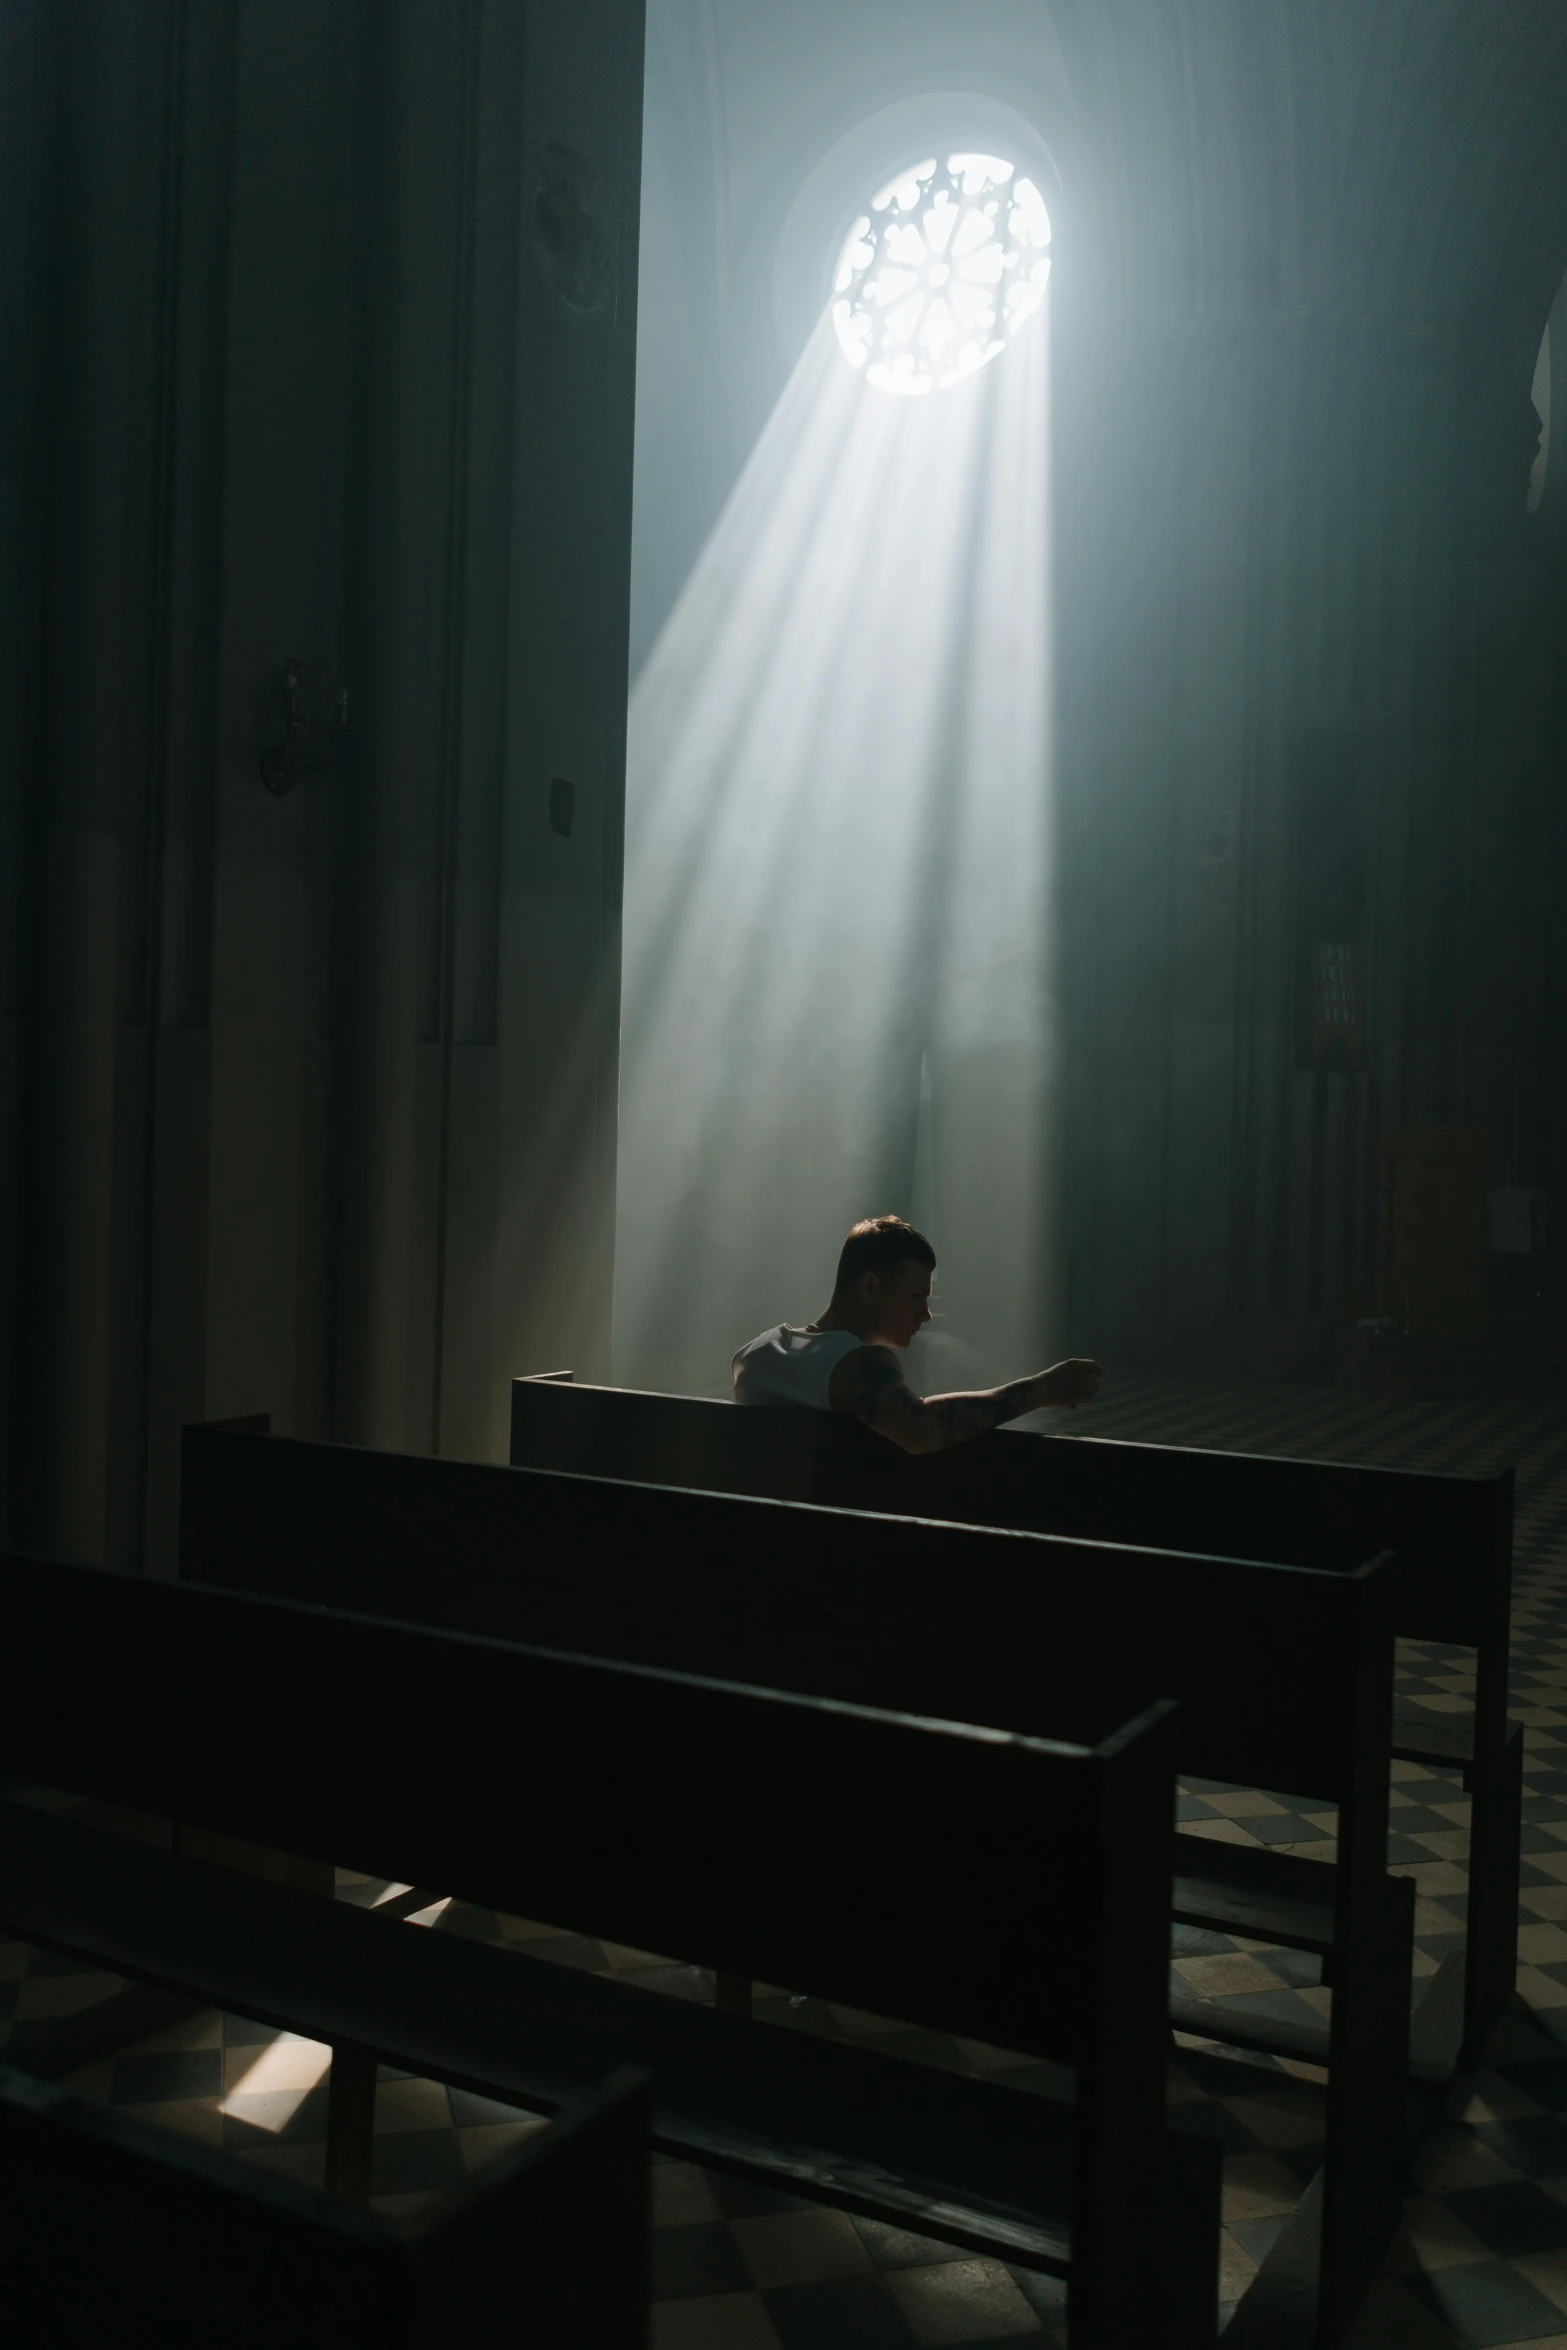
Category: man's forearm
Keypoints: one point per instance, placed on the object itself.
(952, 1419)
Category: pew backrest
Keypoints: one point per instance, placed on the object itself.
(1283, 1674)
(1452, 1533)
(715, 1823)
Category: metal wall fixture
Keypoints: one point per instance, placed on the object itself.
(308, 746)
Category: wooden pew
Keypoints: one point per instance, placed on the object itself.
(1452, 1536)
(584, 1791)
(114, 2233)
(1284, 1677)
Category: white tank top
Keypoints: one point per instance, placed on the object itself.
(791, 1366)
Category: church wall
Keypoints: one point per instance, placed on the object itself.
(26, 133)
(317, 375)
(1337, 450)
(260, 1322)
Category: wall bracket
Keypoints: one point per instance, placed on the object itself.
(308, 747)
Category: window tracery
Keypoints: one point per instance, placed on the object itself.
(937, 276)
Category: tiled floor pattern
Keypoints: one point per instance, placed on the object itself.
(1483, 2255)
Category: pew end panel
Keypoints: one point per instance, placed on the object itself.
(112, 2230)
(1369, 2030)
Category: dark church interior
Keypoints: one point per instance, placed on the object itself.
(639, 634)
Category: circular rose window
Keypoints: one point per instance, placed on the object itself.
(941, 272)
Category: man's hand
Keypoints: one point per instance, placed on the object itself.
(870, 1384)
(1072, 1382)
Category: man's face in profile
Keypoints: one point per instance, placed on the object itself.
(897, 1304)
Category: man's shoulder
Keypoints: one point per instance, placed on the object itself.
(752, 1355)
(773, 1337)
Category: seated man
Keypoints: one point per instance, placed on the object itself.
(847, 1361)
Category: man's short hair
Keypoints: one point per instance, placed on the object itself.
(879, 1245)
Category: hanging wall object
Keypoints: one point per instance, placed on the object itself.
(573, 226)
(1331, 828)
(1338, 1005)
(304, 746)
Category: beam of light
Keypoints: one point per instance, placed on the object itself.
(836, 991)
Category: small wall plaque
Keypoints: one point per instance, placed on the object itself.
(1338, 1006)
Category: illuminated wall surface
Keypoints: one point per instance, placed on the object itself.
(837, 996)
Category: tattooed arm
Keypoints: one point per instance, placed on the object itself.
(870, 1384)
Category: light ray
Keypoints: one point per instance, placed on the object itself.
(836, 930)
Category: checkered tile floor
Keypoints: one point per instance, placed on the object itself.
(1482, 2258)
